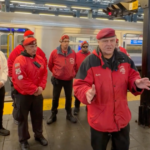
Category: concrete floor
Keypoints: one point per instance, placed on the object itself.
(63, 135)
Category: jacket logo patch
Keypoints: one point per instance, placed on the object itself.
(97, 75)
(122, 70)
(20, 77)
(17, 65)
(18, 71)
(72, 60)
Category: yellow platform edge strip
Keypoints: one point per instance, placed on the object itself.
(48, 103)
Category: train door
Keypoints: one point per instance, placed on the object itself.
(6, 46)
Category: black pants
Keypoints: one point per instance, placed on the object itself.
(56, 94)
(2, 96)
(120, 139)
(34, 105)
(77, 103)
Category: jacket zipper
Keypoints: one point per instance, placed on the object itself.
(114, 99)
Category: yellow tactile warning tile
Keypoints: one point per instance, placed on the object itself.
(48, 103)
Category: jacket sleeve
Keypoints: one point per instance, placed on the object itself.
(44, 77)
(133, 76)
(83, 81)
(42, 54)
(11, 60)
(4, 68)
(21, 78)
(51, 62)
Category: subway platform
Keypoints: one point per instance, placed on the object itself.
(63, 135)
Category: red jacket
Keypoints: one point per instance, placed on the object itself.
(121, 49)
(62, 67)
(80, 56)
(26, 76)
(109, 111)
(16, 52)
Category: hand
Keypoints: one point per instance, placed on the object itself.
(90, 94)
(1, 85)
(39, 91)
(143, 83)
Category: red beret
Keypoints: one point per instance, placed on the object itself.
(28, 32)
(117, 40)
(85, 42)
(64, 37)
(29, 41)
(106, 33)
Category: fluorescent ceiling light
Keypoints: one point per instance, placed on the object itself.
(65, 16)
(139, 22)
(119, 20)
(101, 18)
(1, 0)
(47, 14)
(100, 10)
(85, 8)
(84, 17)
(55, 5)
(22, 12)
(22, 2)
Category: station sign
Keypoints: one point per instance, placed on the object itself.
(136, 42)
(2, 29)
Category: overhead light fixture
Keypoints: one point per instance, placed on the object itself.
(101, 18)
(47, 14)
(100, 10)
(55, 5)
(65, 16)
(139, 21)
(22, 2)
(22, 12)
(84, 17)
(85, 8)
(1, 0)
(119, 20)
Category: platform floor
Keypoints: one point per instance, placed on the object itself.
(63, 135)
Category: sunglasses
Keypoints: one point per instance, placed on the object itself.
(84, 46)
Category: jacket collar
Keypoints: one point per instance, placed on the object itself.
(24, 53)
(60, 52)
(116, 60)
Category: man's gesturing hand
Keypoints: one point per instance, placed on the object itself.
(90, 94)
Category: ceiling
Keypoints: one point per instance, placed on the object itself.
(69, 8)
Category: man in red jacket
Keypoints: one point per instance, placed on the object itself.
(17, 51)
(29, 76)
(102, 83)
(80, 56)
(121, 49)
(62, 65)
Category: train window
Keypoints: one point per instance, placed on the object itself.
(19, 39)
(133, 43)
(3, 43)
(4, 39)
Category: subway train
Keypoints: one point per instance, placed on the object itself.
(49, 29)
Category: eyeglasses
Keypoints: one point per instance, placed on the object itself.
(66, 41)
(84, 46)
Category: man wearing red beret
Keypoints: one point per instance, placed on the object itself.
(80, 56)
(102, 83)
(119, 48)
(16, 52)
(29, 77)
(62, 65)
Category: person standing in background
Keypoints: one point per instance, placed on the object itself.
(62, 65)
(3, 79)
(80, 56)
